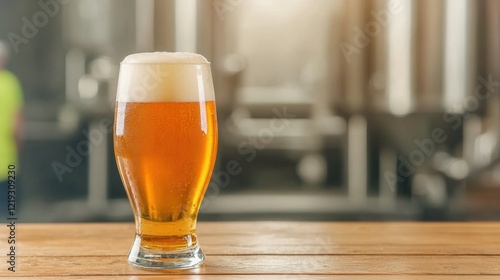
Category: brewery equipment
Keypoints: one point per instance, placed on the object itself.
(331, 107)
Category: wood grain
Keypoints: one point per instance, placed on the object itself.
(263, 264)
(268, 277)
(277, 250)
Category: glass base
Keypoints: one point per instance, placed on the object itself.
(144, 258)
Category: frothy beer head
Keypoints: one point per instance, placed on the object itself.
(165, 77)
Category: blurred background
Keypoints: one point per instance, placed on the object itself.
(332, 109)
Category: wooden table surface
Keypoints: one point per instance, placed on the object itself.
(267, 250)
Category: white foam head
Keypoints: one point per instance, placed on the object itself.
(165, 77)
(165, 57)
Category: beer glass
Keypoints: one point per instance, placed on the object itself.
(165, 142)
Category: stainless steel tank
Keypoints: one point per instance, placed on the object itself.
(381, 74)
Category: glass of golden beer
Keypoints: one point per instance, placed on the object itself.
(165, 141)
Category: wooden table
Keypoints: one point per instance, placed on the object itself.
(276, 250)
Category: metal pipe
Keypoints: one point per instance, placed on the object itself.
(185, 25)
(455, 55)
(399, 64)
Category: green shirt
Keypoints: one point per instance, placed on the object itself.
(10, 104)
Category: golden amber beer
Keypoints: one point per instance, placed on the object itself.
(165, 140)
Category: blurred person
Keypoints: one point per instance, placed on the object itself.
(11, 101)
